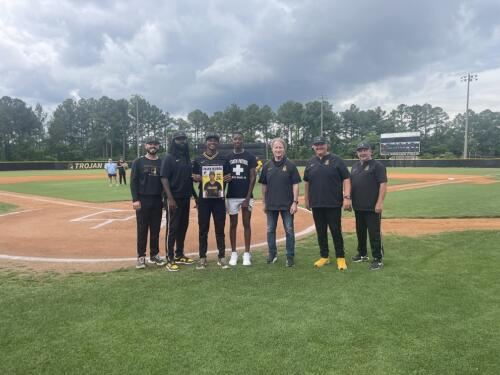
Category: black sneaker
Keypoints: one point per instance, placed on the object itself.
(272, 258)
(376, 264)
(184, 260)
(289, 261)
(156, 259)
(359, 258)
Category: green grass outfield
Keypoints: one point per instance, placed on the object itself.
(433, 309)
(98, 190)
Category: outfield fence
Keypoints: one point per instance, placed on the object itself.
(99, 164)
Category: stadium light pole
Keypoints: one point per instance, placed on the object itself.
(467, 78)
(321, 117)
(137, 123)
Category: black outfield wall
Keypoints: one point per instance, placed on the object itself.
(429, 163)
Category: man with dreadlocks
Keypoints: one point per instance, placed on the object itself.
(176, 171)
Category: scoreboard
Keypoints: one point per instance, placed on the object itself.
(400, 143)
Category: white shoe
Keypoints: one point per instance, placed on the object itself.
(247, 259)
(234, 259)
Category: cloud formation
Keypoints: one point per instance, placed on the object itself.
(183, 55)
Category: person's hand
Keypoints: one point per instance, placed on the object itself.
(378, 208)
(136, 205)
(196, 177)
(227, 178)
(347, 205)
(171, 204)
(293, 208)
(245, 203)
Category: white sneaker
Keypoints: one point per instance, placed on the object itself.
(234, 259)
(247, 259)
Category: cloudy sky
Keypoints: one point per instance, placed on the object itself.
(188, 54)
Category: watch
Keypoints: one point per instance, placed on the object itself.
(347, 197)
(296, 202)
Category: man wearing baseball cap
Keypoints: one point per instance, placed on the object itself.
(146, 189)
(211, 161)
(369, 186)
(176, 171)
(327, 188)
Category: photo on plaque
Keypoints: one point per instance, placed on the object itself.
(212, 181)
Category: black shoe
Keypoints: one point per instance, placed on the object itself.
(359, 258)
(289, 261)
(272, 258)
(156, 259)
(184, 260)
(376, 264)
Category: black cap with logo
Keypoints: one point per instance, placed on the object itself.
(319, 140)
(179, 134)
(212, 135)
(363, 145)
(152, 140)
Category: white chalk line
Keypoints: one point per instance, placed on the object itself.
(54, 201)
(298, 235)
(20, 212)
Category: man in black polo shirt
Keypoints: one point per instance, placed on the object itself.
(327, 188)
(176, 178)
(239, 194)
(211, 160)
(369, 185)
(280, 192)
(146, 189)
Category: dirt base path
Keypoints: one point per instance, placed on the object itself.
(48, 233)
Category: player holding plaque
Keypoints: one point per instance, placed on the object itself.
(211, 170)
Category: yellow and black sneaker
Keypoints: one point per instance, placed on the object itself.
(172, 267)
(184, 260)
(341, 264)
(321, 262)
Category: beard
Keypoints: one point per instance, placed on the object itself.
(152, 150)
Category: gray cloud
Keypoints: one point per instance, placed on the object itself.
(182, 55)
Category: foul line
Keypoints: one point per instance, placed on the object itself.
(59, 202)
(20, 212)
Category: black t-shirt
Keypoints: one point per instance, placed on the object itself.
(121, 166)
(365, 184)
(325, 177)
(240, 165)
(279, 178)
(178, 171)
(205, 160)
(213, 190)
(145, 178)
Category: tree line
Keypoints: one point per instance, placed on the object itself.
(94, 129)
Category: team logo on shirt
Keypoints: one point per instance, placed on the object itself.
(284, 168)
(367, 168)
(327, 162)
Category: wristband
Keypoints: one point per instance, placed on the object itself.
(347, 197)
(296, 202)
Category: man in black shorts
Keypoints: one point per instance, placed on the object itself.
(369, 186)
(239, 194)
(146, 189)
(176, 178)
(211, 160)
(327, 188)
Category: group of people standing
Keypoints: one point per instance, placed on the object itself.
(111, 169)
(226, 183)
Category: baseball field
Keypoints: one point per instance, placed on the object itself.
(72, 301)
